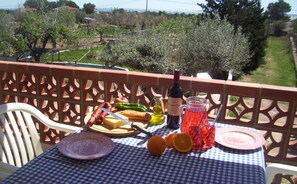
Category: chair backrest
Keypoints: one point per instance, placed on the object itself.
(20, 141)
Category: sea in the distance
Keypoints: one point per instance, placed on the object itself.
(151, 10)
(291, 15)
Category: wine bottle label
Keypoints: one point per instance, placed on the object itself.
(174, 106)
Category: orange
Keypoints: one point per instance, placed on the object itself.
(182, 142)
(169, 140)
(156, 145)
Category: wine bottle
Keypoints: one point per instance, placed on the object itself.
(174, 101)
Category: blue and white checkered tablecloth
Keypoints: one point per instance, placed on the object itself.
(130, 162)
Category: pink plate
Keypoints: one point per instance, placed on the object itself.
(239, 138)
(86, 146)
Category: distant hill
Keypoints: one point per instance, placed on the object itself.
(292, 16)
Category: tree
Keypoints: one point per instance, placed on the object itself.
(148, 51)
(67, 3)
(31, 4)
(248, 15)
(278, 10)
(211, 46)
(50, 4)
(89, 8)
(105, 29)
(277, 28)
(7, 27)
(36, 30)
(294, 25)
(80, 16)
(39, 5)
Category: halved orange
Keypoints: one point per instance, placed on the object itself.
(182, 142)
(169, 140)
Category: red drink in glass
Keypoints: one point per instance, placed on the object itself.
(204, 137)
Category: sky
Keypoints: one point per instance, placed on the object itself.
(152, 5)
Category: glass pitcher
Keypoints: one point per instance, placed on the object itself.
(195, 123)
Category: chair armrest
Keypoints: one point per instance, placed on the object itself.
(41, 117)
(6, 170)
(275, 168)
(52, 124)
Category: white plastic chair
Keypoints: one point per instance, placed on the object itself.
(215, 97)
(205, 75)
(20, 141)
(275, 168)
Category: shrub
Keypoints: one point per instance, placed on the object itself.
(212, 46)
(149, 52)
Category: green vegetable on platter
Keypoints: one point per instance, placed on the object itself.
(131, 106)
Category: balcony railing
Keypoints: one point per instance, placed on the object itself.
(66, 94)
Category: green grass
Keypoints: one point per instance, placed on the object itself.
(277, 67)
(76, 54)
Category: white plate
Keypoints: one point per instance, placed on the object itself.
(86, 146)
(239, 138)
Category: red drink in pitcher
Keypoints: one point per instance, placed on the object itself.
(193, 117)
(195, 123)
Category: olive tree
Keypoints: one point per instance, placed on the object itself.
(7, 27)
(5, 30)
(212, 46)
(37, 29)
(193, 45)
(105, 29)
(148, 51)
(248, 15)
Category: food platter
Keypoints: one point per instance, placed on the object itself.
(122, 131)
(239, 138)
(86, 146)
